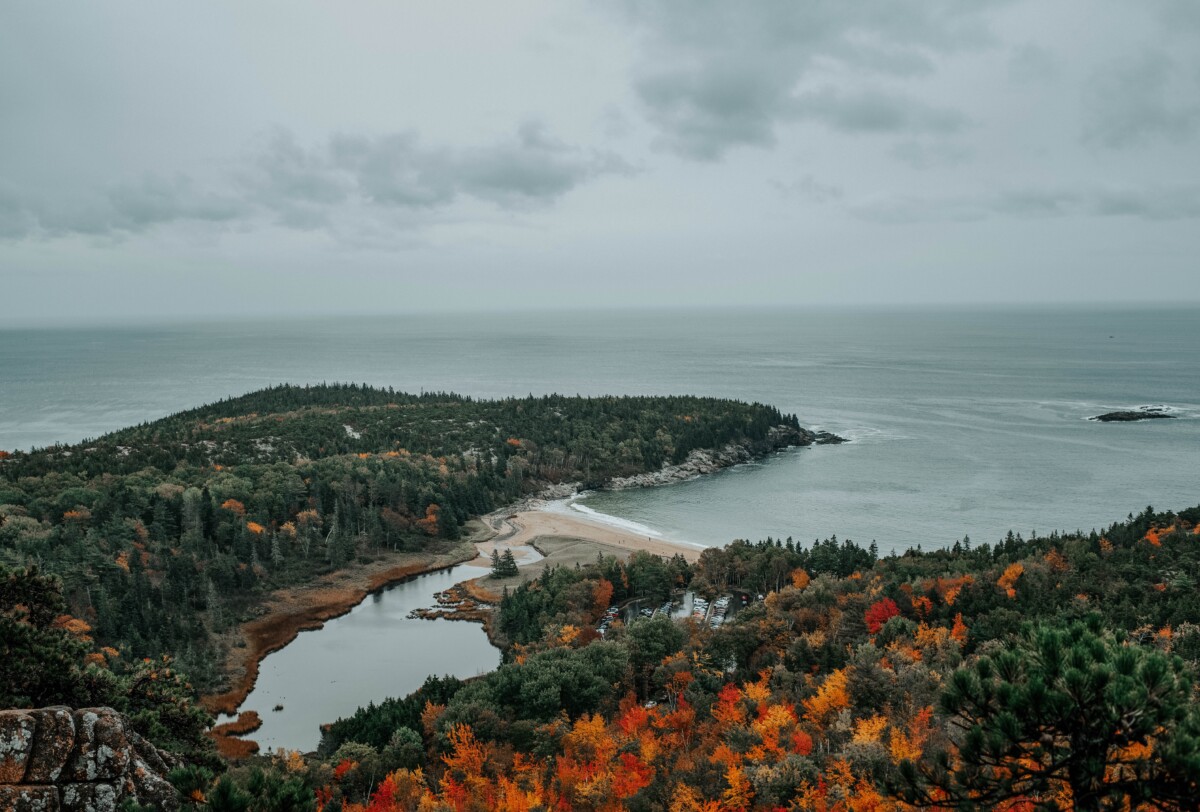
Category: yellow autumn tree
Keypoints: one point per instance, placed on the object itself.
(831, 697)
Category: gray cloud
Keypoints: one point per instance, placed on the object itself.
(529, 169)
(154, 199)
(1135, 101)
(304, 187)
(810, 189)
(714, 77)
(874, 111)
(15, 219)
(1177, 14)
(307, 189)
(705, 110)
(123, 208)
(296, 185)
(1030, 63)
(930, 154)
(137, 150)
(1159, 203)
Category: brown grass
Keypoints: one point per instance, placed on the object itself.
(247, 722)
(234, 749)
(228, 745)
(479, 592)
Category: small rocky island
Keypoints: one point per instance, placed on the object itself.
(1131, 415)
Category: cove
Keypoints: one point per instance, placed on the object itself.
(373, 652)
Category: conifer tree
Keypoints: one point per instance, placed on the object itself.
(1068, 712)
(41, 658)
(506, 566)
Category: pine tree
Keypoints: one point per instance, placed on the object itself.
(1066, 711)
(506, 567)
(41, 658)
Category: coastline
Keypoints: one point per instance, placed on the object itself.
(516, 528)
(549, 512)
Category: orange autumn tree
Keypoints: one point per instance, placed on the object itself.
(1008, 580)
(430, 523)
(800, 578)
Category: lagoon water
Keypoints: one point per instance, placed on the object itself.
(374, 652)
(962, 422)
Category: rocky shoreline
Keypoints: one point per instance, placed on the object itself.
(700, 461)
(709, 461)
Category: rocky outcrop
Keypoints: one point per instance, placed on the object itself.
(56, 758)
(699, 461)
(707, 461)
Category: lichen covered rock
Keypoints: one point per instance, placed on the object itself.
(57, 759)
(16, 740)
(52, 746)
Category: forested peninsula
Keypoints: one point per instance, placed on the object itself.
(167, 534)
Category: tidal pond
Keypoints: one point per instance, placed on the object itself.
(374, 652)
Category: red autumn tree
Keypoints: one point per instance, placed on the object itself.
(880, 613)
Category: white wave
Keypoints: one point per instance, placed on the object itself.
(1161, 408)
(571, 505)
(616, 521)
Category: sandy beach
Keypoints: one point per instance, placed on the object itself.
(515, 531)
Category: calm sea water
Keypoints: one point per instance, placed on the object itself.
(967, 422)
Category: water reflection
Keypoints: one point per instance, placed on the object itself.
(374, 652)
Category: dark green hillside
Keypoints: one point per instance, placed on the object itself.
(167, 532)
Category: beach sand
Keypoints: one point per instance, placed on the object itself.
(516, 530)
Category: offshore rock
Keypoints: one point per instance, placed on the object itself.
(1150, 413)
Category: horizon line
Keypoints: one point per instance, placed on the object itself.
(193, 319)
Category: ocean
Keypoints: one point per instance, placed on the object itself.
(960, 422)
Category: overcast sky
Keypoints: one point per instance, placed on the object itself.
(234, 158)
